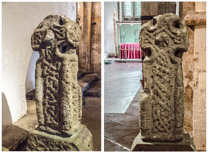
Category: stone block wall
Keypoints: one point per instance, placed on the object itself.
(194, 69)
(188, 67)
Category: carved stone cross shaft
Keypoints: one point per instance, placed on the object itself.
(58, 95)
(163, 40)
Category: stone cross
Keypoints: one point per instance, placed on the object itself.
(58, 95)
(163, 40)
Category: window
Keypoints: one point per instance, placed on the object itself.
(137, 9)
(128, 9)
(131, 11)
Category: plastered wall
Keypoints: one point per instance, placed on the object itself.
(18, 23)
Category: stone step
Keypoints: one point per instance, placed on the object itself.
(14, 138)
(95, 90)
(31, 95)
(87, 81)
(80, 74)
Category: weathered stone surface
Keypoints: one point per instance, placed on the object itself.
(186, 144)
(194, 70)
(163, 40)
(188, 67)
(57, 90)
(13, 136)
(195, 19)
(58, 95)
(42, 141)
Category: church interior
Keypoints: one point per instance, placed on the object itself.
(123, 71)
(117, 25)
(19, 19)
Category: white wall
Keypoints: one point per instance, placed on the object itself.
(18, 23)
(109, 45)
(30, 77)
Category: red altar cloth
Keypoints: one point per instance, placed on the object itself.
(130, 51)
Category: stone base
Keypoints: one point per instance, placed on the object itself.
(42, 141)
(185, 145)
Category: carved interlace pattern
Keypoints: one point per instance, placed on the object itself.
(58, 94)
(163, 41)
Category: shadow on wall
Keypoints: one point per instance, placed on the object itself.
(6, 115)
(30, 78)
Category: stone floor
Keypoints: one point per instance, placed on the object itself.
(121, 121)
(121, 83)
(91, 118)
(121, 129)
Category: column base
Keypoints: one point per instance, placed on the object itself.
(186, 144)
(42, 141)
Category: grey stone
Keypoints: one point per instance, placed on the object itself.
(79, 141)
(186, 144)
(13, 137)
(163, 41)
(58, 95)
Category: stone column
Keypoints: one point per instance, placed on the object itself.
(58, 95)
(163, 41)
(195, 72)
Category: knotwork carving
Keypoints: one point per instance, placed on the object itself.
(163, 41)
(58, 95)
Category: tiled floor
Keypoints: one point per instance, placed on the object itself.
(122, 81)
(121, 129)
(121, 119)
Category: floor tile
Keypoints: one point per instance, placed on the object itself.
(122, 81)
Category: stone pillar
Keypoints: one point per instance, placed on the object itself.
(194, 14)
(58, 95)
(188, 69)
(163, 40)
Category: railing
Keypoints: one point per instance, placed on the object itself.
(130, 51)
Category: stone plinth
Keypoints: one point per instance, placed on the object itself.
(186, 144)
(42, 141)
